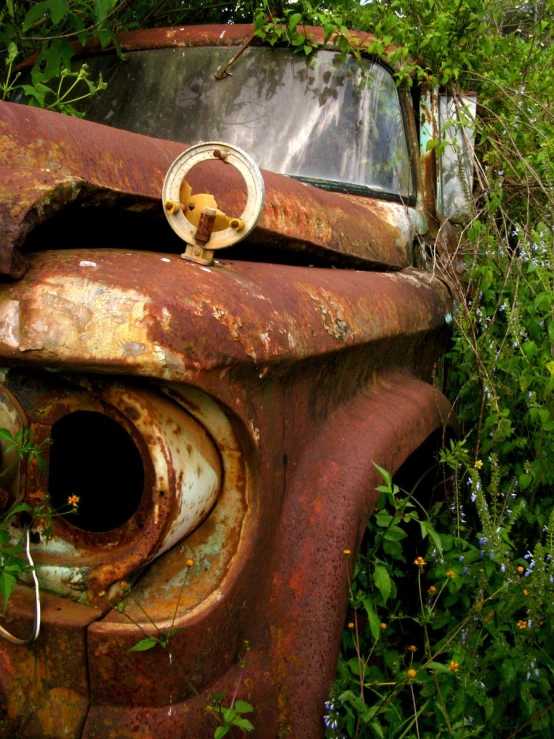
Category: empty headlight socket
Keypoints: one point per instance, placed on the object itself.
(145, 471)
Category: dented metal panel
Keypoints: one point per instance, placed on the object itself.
(298, 363)
(50, 160)
(85, 309)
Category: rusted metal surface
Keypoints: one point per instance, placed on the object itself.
(299, 364)
(415, 151)
(140, 313)
(182, 482)
(289, 601)
(50, 160)
(428, 132)
(13, 419)
(44, 687)
(235, 34)
(295, 380)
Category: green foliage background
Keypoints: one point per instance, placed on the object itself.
(498, 517)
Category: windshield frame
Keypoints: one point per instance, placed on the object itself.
(232, 36)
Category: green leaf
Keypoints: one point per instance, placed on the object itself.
(5, 435)
(427, 529)
(229, 714)
(437, 666)
(104, 36)
(7, 584)
(144, 644)
(221, 731)
(395, 533)
(378, 731)
(58, 9)
(374, 623)
(294, 20)
(20, 508)
(383, 519)
(38, 92)
(243, 723)
(38, 10)
(102, 8)
(243, 707)
(53, 61)
(525, 480)
(385, 475)
(382, 581)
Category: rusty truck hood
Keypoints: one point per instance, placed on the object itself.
(50, 161)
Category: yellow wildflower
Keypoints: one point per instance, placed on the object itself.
(432, 590)
(453, 666)
(525, 591)
(412, 647)
(521, 569)
(522, 624)
(101, 593)
(411, 673)
(383, 626)
(189, 562)
(420, 562)
(351, 625)
(450, 573)
(346, 552)
(73, 500)
(478, 464)
(123, 585)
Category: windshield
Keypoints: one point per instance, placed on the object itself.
(323, 118)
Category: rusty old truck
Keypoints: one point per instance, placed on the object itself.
(217, 416)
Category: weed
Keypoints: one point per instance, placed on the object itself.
(466, 651)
